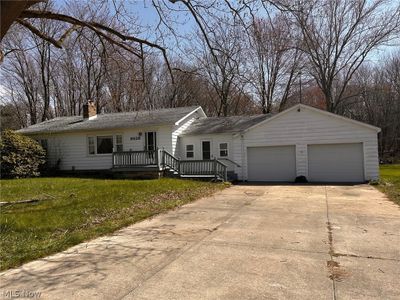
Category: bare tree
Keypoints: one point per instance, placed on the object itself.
(44, 62)
(68, 83)
(338, 35)
(67, 78)
(219, 48)
(274, 60)
(26, 76)
(21, 12)
(376, 100)
(219, 55)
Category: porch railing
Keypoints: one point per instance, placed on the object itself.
(203, 167)
(135, 158)
(166, 161)
(169, 161)
(221, 170)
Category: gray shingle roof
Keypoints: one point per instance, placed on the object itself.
(110, 121)
(234, 124)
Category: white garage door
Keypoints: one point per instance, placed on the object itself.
(271, 163)
(336, 163)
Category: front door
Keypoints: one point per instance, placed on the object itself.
(206, 149)
(151, 141)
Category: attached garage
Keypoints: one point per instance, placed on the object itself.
(336, 163)
(300, 141)
(309, 142)
(276, 163)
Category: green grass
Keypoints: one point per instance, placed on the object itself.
(72, 210)
(390, 182)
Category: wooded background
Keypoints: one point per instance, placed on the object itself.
(230, 57)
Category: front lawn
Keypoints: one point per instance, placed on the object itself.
(72, 210)
(390, 182)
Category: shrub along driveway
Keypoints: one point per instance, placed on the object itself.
(245, 242)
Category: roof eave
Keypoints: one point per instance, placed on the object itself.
(91, 130)
(199, 108)
(208, 133)
(297, 106)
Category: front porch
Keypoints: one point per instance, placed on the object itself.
(162, 161)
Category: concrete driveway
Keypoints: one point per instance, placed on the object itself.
(246, 242)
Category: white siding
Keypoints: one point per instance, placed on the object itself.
(238, 152)
(215, 139)
(178, 129)
(71, 148)
(305, 127)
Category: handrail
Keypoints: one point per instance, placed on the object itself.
(228, 159)
(221, 170)
(170, 161)
(165, 160)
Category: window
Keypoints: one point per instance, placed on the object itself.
(118, 143)
(104, 144)
(223, 149)
(189, 151)
(91, 146)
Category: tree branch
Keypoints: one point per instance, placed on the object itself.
(40, 34)
(99, 29)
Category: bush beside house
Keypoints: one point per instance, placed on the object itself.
(21, 156)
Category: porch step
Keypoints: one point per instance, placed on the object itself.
(163, 162)
(197, 176)
(150, 168)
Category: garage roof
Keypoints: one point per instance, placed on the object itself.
(233, 124)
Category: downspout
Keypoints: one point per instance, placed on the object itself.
(242, 154)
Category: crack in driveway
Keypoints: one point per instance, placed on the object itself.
(333, 267)
(336, 254)
(338, 273)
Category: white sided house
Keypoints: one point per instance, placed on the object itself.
(300, 141)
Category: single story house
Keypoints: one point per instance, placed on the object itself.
(300, 141)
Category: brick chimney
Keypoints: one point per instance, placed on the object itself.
(89, 110)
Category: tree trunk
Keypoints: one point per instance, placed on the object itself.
(10, 11)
